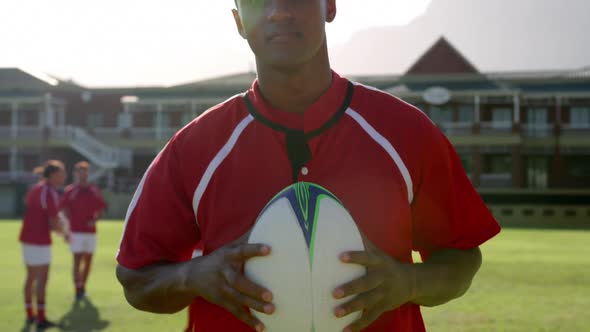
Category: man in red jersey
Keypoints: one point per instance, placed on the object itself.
(42, 206)
(83, 205)
(396, 173)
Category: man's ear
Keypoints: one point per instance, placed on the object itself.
(330, 10)
(239, 24)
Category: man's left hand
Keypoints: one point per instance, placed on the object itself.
(387, 285)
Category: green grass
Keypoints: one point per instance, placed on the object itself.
(531, 280)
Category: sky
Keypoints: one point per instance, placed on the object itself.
(153, 42)
(166, 42)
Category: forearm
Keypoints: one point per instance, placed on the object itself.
(55, 225)
(446, 275)
(159, 288)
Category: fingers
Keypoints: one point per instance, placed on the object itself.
(357, 286)
(249, 288)
(366, 319)
(360, 257)
(364, 301)
(243, 252)
(242, 314)
(235, 296)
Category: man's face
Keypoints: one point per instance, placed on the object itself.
(284, 33)
(82, 174)
(58, 178)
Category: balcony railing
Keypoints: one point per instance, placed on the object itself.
(576, 129)
(457, 128)
(134, 133)
(495, 180)
(538, 130)
(496, 128)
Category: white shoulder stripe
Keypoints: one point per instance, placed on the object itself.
(384, 143)
(214, 164)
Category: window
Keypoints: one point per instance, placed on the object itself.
(537, 122)
(186, 118)
(537, 116)
(124, 120)
(498, 164)
(466, 161)
(95, 120)
(580, 116)
(501, 117)
(466, 113)
(579, 166)
(537, 172)
(441, 114)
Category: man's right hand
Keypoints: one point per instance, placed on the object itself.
(219, 279)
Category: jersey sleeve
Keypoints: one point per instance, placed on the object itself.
(447, 212)
(160, 225)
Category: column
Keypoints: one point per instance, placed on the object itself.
(159, 108)
(14, 120)
(13, 162)
(516, 114)
(49, 112)
(477, 115)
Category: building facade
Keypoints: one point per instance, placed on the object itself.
(521, 136)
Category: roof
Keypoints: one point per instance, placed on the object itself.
(18, 79)
(442, 58)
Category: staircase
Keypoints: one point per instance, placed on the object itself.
(105, 158)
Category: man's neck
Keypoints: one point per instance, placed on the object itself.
(83, 183)
(295, 89)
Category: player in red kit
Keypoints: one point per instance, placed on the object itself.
(396, 173)
(83, 205)
(41, 217)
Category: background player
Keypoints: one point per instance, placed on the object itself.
(83, 205)
(42, 206)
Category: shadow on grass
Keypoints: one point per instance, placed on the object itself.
(82, 317)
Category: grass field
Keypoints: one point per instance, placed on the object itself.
(532, 280)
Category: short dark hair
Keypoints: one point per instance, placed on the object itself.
(82, 165)
(51, 167)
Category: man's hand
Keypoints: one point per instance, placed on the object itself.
(220, 280)
(387, 285)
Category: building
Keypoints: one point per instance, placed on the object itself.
(523, 137)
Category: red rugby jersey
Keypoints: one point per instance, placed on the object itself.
(396, 173)
(82, 203)
(42, 202)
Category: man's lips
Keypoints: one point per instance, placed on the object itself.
(283, 36)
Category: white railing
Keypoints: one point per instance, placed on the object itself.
(576, 129)
(17, 175)
(457, 128)
(103, 133)
(96, 151)
(538, 130)
(495, 180)
(496, 128)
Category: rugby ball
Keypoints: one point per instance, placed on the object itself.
(307, 228)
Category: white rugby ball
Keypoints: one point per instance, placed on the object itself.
(307, 228)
